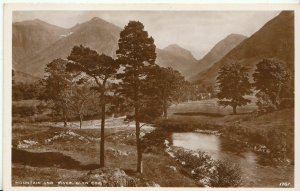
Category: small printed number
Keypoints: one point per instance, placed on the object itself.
(285, 184)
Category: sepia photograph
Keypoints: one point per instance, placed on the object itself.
(152, 98)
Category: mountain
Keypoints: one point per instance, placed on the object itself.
(28, 37)
(96, 33)
(274, 40)
(179, 51)
(217, 52)
(176, 57)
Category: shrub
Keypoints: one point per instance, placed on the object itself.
(24, 111)
(226, 175)
(209, 172)
(264, 103)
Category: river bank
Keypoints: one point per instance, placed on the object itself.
(202, 153)
(262, 144)
(270, 135)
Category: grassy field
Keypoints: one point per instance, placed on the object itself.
(208, 112)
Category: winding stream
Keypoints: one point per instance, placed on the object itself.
(254, 172)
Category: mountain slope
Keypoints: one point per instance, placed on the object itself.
(217, 52)
(274, 40)
(96, 33)
(28, 37)
(176, 57)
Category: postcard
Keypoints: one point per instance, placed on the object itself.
(175, 96)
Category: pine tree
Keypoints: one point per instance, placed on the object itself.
(101, 68)
(136, 52)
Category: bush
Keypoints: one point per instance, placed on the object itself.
(264, 103)
(209, 172)
(226, 175)
(25, 91)
(23, 111)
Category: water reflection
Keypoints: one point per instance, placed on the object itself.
(253, 172)
(198, 141)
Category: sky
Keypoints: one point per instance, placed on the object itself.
(197, 31)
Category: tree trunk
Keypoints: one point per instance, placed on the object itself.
(80, 123)
(234, 109)
(277, 98)
(102, 131)
(138, 141)
(65, 119)
(165, 107)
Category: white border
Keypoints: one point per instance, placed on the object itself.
(159, 1)
(8, 8)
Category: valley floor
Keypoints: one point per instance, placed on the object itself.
(48, 152)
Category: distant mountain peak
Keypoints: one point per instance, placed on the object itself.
(174, 47)
(231, 35)
(39, 20)
(258, 46)
(217, 52)
(46, 44)
(97, 24)
(98, 20)
(178, 50)
(37, 23)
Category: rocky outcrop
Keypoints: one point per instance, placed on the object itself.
(109, 177)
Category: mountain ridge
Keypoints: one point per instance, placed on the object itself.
(103, 37)
(274, 40)
(218, 51)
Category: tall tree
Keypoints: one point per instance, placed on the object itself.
(233, 83)
(101, 68)
(273, 81)
(58, 86)
(136, 52)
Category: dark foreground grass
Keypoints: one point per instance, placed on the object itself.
(70, 157)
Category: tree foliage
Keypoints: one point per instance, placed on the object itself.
(274, 83)
(58, 86)
(233, 83)
(26, 91)
(136, 52)
(84, 101)
(167, 87)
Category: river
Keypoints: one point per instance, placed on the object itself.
(254, 172)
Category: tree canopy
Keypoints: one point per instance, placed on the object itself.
(58, 86)
(136, 52)
(101, 68)
(233, 83)
(167, 87)
(273, 81)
